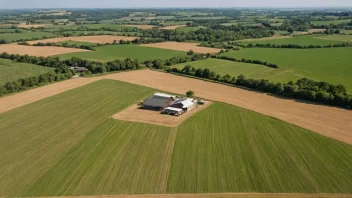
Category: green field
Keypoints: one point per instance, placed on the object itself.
(11, 71)
(188, 29)
(227, 149)
(344, 38)
(327, 64)
(298, 40)
(68, 145)
(334, 22)
(113, 52)
(254, 71)
(26, 35)
(78, 43)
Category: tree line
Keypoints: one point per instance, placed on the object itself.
(243, 60)
(305, 89)
(93, 66)
(162, 64)
(295, 46)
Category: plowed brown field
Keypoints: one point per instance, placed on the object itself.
(90, 39)
(182, 46)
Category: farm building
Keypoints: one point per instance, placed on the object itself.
(183, 103)
(158, 101)
(174, 111)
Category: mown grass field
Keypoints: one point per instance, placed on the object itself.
(298, 40)
(113, 52)
(227, 149)
(330, 64)
(68, 145)
(336, 37)
(10, 71)
(223, 67)
(188, 29)
(26, 35)
(334, 22)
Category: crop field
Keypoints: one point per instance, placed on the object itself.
(93, 39)
(26, 35)
(80, 150)
(329, 64)
(11, 71)
(345, 38)
(254, 71)
(113, 52)
(188, 29)
(298, 40)
(182, 46)
(78, 43)
(227, 149)
(335, 22)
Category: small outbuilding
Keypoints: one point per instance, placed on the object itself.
(173, 111)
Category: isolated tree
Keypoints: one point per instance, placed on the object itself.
(190, 52)
(190, 94)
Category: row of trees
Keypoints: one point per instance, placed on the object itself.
(25, 83)
(306, 89)
(269, 45)
(243, 60)
(87, 47)
(161, 64)
(62, 65)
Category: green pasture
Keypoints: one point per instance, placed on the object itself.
(228, 149)
(13, 37)
(67, 145)
(113, 52)
(298, 40)
(325, 64)
(188, 29)
(223, 67)
(334, 22)
(78, 43)
(11, 71)
(337, 37)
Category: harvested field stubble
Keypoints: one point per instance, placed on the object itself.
(91, 39)
(37, 50)
(183, 46)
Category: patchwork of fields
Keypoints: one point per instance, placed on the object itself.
(26, 35)
(223, 67)
(68, 145)
(11, 71)
(113, 52)
(332, 65)
(299, 40)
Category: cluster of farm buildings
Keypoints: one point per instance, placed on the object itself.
(169, 104)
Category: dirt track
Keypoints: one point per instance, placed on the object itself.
(91, 39)
(183, 47)
(37, 50)
(218, 195)
(329, 121)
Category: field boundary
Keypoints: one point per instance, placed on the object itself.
(226, 194)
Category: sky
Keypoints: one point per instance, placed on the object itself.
(17, 4)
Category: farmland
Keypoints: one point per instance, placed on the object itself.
(11, 71)
(331, 65)
(113, 52)
(79, 150)
(24, 36)
(345, 38)
(223, 67)
(300, 40)
(330, 22)
(233, 150)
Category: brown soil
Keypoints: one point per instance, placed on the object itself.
(90, 39)
(218, 195)
(31, 25)
(137, 113)
(37, 50)
(316, 30)
(144, 27)
(182, 46)
(328, 121)
(267, 38)
(173, 27)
